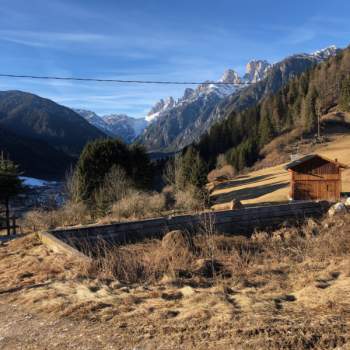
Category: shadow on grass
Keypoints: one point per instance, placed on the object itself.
(247, 193)
(243, 180)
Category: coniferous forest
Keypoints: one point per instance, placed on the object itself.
(241, 136)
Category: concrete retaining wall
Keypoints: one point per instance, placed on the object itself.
(243, 221)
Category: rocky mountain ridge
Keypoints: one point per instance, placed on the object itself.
(176, 124)
(255, 71)
(115, 125)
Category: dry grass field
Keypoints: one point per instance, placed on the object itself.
(271, 185)
(288, 289)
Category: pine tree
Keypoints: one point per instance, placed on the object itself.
(310, 112)
(193, 169)
(141, 167)
(94, 163)
(10, 186)
(266, 131)
(98, 158)
(344, 98)
(199, 172)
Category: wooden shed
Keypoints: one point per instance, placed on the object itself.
(315, 177)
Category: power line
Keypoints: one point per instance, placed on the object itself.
(119, 80)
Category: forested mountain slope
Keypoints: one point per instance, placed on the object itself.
(297, 105)
(43, 137)
(31, 116)
(35, 158)
(189, 118)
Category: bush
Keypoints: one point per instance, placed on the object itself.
(221, 161)
(289, 248)
(227, 172)
(169, 197)
(115, 187)
(139, 205)
(69, 215)
(138, 263)
(190, 199)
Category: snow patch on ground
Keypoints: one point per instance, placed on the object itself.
(33, 182)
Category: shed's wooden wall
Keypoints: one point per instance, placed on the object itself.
(316, 179)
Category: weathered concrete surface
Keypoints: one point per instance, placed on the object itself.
(59, 246)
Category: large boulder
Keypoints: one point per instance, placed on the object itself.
(347, 202)
(177, 240)
(236, 204)
(338, 208)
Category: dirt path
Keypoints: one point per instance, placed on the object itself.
(20, 330)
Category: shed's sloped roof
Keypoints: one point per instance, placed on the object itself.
(308, 157)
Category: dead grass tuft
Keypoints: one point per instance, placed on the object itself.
(225, 172)
(70, 214)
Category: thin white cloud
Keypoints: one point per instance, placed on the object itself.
(39, 38)
(135, 46)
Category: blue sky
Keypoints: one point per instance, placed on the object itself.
(153, 39)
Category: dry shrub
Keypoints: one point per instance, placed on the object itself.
(139, 205)
(169, 197)
(221, 160)
(69, 215)
(334, 240)
(137, 263)
(115, 187)
(190, 199)
(73, 214)
(226, 172)
(316, 241)
(36, 220)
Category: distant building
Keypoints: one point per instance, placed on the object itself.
(314, 177)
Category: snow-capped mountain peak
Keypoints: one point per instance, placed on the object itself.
(159, 107)
(92, 118)
(116, 125)
(230, 76)
(256, 70)
(123, 120)
(325, 53)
